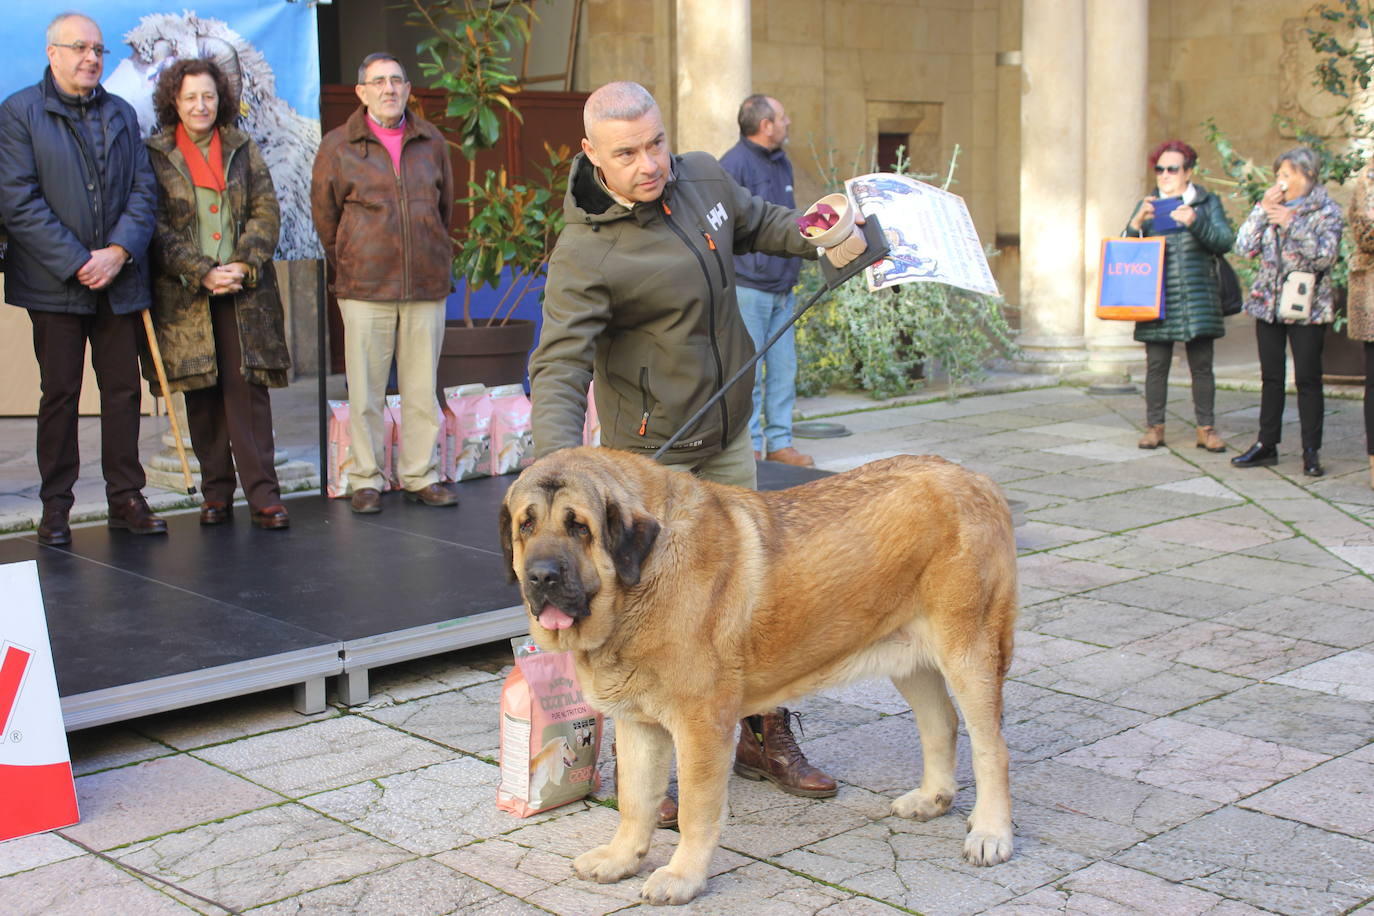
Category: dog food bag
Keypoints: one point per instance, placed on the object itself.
(512, 440)
(391, 442)
(467, 432)
(550, 737)
(591, 427)
(340, 450)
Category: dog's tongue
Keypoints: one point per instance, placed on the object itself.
(551, 618)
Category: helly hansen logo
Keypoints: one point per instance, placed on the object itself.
(14, 664)
(717, 216)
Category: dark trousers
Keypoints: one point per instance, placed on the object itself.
(1158, 356)
(1369, 396)
(231, 423)
(1305, 340)
(59, 342)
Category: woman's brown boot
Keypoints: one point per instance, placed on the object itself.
(1153, 438)
(1207, 438)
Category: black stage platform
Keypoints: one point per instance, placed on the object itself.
(146, 624)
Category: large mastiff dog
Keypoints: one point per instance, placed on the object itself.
(688, 604)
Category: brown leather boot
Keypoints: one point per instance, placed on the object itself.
(1153, 438)
(767, 750)
(1207, 438)
(667, 809)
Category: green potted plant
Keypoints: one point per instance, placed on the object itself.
(510, 223)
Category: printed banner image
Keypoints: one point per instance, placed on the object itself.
(268, 49)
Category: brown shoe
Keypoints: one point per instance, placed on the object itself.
(436, 494)
(791, 456)
(767, 750)
(667, 809)
(53, 528)
(272, 518)
(1207, 438)
(1153, 438)
(134, 516)
(213, 512)
(367, 501)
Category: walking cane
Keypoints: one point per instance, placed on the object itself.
(876, 251)
(167, 398)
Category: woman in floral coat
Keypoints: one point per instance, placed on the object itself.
(216, 310)
(1296, 226)
(1360, 305)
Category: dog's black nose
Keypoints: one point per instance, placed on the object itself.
(544, 572)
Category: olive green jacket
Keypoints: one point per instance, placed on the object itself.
(181, 306)
(643, 299)
(1192, 306)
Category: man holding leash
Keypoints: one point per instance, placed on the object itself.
(641, 294)
(759, 163)
(77, 196)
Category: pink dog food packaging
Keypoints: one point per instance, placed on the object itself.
(512, 440)
(340, 450)
(467, 433)
(550, 737)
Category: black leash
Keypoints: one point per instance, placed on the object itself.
(834, 278)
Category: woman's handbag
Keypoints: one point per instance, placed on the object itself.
(1295, 298)
(1228, 287)
(1130, 279)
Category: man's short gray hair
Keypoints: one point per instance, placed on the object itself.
(753, 111)
(373, 58)
(623, 101)
(55, 27)
(1303, 158)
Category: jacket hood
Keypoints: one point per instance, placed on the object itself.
(587, 202)
(1314, 199)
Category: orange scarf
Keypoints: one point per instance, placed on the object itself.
(206, 171)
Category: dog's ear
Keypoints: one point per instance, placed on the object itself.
(628, 540)
(507, 550)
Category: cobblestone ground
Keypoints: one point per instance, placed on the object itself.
(1189, 716)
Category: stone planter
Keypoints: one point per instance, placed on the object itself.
(495, 355)
(1342, 359)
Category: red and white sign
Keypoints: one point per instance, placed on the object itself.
(36, 788)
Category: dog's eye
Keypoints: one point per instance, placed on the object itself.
(527, 526)
(577, 529)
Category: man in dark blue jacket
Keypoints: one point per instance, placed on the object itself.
(765, 281)
(77, 195)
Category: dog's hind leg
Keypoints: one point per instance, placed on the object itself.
(938, 725)
(979, 695)
(644, 751)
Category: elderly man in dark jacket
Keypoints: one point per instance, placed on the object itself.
(77, 196)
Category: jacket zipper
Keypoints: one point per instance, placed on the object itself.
(720, 265)
(644, 400)
(97, 184)
(405, 223)
(711, 317)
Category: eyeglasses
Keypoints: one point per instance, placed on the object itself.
(1171, 169)
(80, 47)
(381, 82)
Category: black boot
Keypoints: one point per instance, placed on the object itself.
(1311, 466)
(1258, 455)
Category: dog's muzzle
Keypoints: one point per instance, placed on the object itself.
(551, 580)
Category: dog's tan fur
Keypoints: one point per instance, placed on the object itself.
(695, 604)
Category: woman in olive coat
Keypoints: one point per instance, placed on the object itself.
(1196, 233)
(216, 310)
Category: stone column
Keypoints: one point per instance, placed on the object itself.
(1116, 112)
(714, 73)
(1052, 174)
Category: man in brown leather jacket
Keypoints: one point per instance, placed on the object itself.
(382, 195)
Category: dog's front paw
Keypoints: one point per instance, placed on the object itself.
(987, 847)
(606, 865)
(922, 805)
(666, 887)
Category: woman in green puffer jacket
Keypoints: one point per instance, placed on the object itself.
(1196, 233)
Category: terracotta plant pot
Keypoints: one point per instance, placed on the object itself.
(495, 355)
